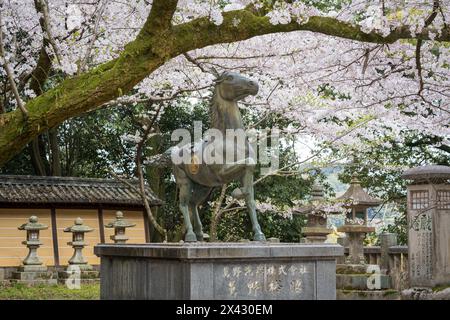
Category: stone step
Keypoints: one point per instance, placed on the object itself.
(362, 282)
(367, 294)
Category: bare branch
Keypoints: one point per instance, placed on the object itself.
(216, 214)
(140, 174)
(194, 61)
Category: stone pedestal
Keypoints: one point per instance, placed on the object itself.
(355, 235)
(387, 240)
(219, 271)
(316, 234)
(34, 275)
(363, 282)
(84, 275)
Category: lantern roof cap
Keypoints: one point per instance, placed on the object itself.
(317, 191)
(358, 196)
(33, 224)
(432, 173)
(120, 222)
(316, 204)
(78, 227)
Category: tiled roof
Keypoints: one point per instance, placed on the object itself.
(70, 190)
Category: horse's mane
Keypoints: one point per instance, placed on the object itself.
(214, 113)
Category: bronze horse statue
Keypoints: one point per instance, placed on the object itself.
(196, 178)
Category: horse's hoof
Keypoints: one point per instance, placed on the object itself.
(259, 237)
(190, 237)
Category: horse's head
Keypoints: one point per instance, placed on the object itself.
(232, 86)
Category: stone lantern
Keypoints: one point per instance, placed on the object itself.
(428, 216)
(119, 225)
(78, 230)
(316, 230)
(356, 201)
(33, 227)
(33, 271)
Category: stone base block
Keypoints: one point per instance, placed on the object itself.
(426, 294)
(351, 268)
(231, 271)
(36, 282)
(85, 277)
(32, 268)
(367, 295)
(363, 281)
(34, 275)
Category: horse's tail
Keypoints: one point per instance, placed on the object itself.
(162, 160)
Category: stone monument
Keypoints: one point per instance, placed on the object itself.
(218, 271)
(428, 225)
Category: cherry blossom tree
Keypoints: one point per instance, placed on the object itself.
(342, 68)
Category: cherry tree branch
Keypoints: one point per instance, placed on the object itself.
(428, 21)
(83, 63)
(42, 7)
(158, 42)
(10, 74)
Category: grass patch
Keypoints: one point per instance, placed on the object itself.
(49, 292)
(390, 292)
(441, 288)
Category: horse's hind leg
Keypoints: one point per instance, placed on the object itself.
(185, 186)
(199, 195)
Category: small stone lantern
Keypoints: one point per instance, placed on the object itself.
(316, 230)
(78, 230)
(33, 227)
(356, 201)
(119, 225)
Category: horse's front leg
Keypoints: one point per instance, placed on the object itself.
(247, 182)
(198, 228)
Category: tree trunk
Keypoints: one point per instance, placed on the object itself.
(55, 152)
(36, 158)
